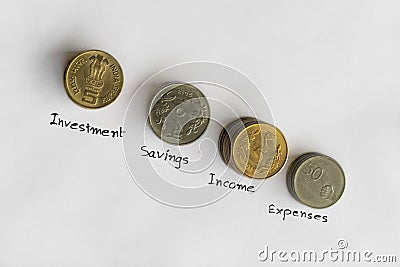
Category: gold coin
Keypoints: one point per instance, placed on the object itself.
(93, 79)
(255, 149)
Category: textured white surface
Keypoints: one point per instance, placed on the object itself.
(329, 69)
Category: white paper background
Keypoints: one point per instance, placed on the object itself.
(329, 69)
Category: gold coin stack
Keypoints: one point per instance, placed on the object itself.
(253, 148)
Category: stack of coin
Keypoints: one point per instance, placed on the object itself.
(253, 148)
(93, 79)
(316, 180)
(179, 113)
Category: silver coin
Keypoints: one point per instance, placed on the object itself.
(179, 113)
(316, 180)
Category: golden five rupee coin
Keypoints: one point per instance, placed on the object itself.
(93, 79)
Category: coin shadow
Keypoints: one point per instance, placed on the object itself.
(53, 74)
(150, 93)
(291, 159)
